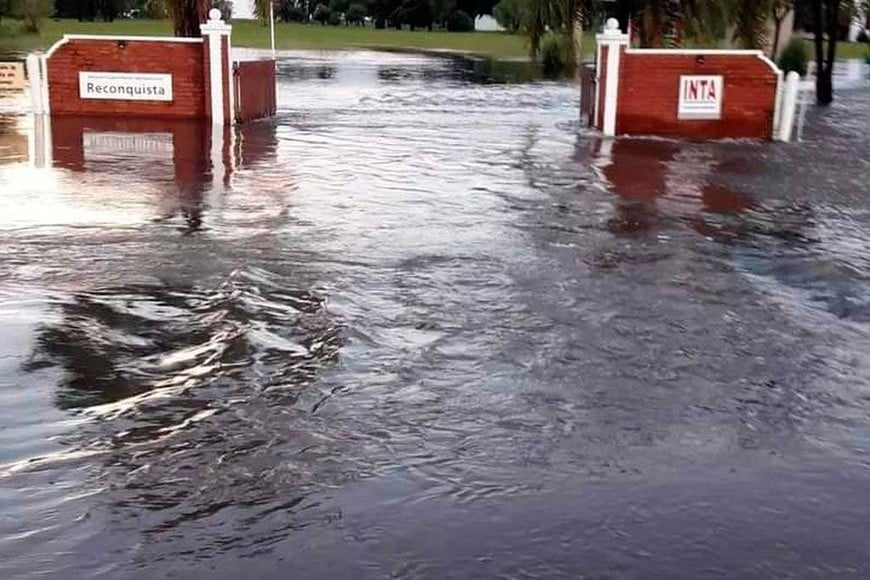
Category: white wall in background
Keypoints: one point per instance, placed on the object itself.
(243, 9)
(486, 23)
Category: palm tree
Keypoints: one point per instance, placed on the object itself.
(703, 20)
(187, 15)
(750, 19)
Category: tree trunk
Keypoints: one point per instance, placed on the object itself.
(825, 14)
(776, 32)
(189, 15)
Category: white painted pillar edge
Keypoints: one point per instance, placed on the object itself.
(614, 40)
(789, 106)
(215, 30)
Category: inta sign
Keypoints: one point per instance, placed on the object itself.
(125, 86)
(700, 97)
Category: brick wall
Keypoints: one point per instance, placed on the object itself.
(649, 95)
(187, 62)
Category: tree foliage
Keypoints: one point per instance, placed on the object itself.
(32, 12)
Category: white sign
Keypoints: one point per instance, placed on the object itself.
(125, 86)
(700, 97)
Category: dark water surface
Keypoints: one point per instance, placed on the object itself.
(422, 325)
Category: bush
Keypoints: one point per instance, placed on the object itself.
(321, 14)
(795, 57)
(334, 18)
(33, 12)
(356, 14)
(226, 8)
(290, 12)
(557, 55)
(459, 21)
(414, 13)
(509, 14)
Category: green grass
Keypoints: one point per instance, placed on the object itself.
(848, 50)
(290, 36)
(298, 36)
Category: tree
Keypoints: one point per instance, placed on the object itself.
(779, 10)
(33, 12)
(187, 15)
(750, 19)
(509, 14)
(826, 15)
(356, 14)
(321, 14)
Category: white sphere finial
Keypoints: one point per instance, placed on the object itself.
(214, 14)
(612, 25)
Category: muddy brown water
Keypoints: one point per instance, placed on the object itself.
(423, 325)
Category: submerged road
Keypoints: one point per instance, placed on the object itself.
(423, 325)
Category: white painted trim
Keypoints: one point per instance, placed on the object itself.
(231, 80)
(132, 37)
(789, 107)
(56, 45)
(597, 84)
(128, 38)
(777, 104)
(34, 79)
(611, 94)
(694, 51)
(46, 101)
(703, 52)
(216, 85)
(773, 66)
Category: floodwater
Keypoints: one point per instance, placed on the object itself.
(423, 325)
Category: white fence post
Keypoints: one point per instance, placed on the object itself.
(789, 106)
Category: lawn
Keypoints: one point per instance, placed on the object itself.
(844, 49)
(291, 36)
(248, 33)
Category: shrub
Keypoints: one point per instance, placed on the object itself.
(509, 14)
(33, 12)
(459, 21)
(334, 18)
(288, 11)
(795, 57)
(226, 8)
(553, 54)
(356, 14)
(321, 14)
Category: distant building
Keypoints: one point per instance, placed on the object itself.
(243, 10)
(486, 23)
